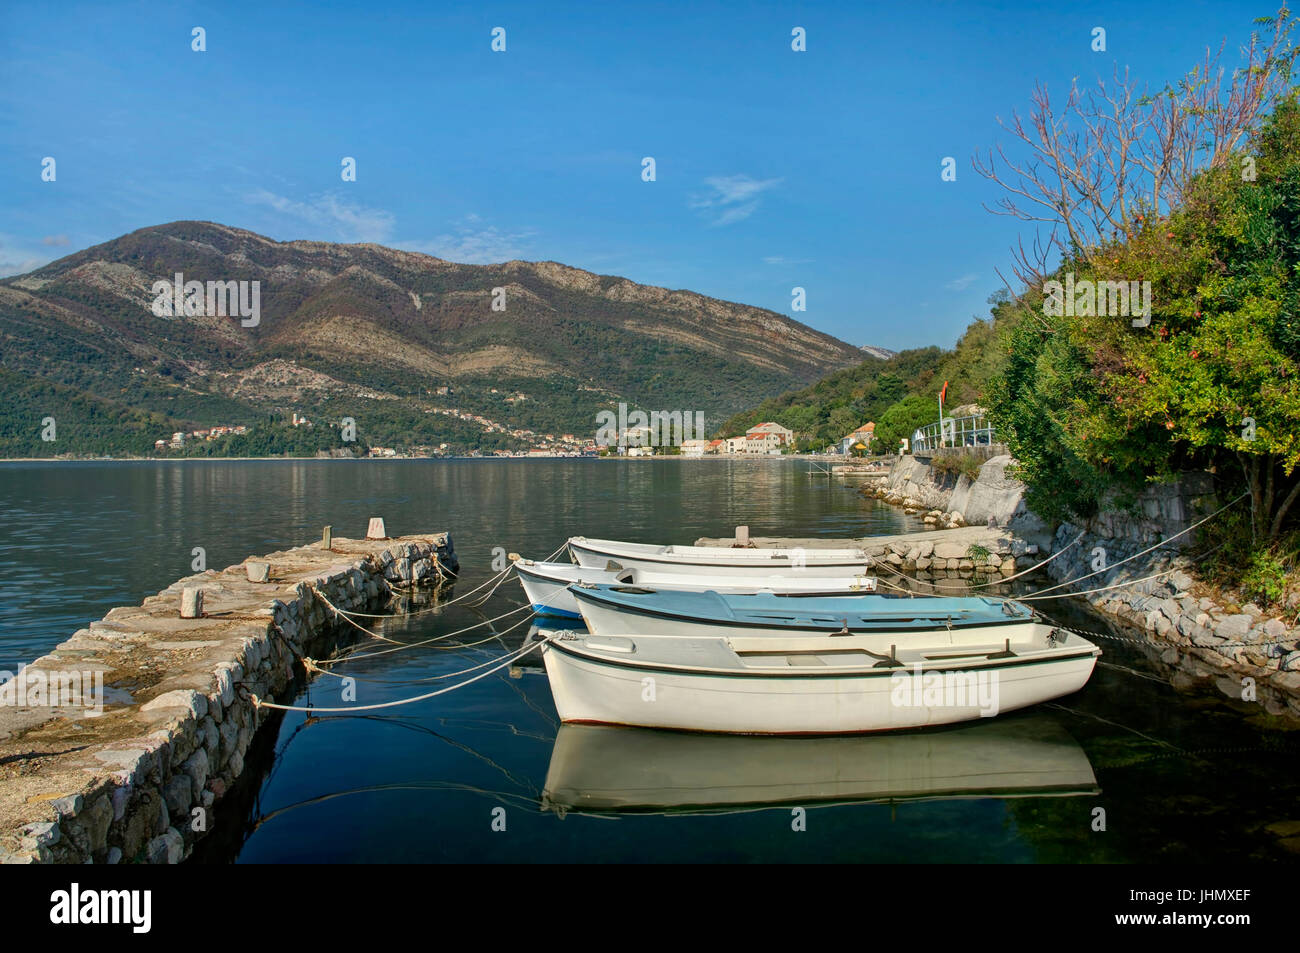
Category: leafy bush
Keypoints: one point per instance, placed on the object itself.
(965, 463)
(1264, 581)
(1089, 403)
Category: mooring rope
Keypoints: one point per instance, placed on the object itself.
(315, 665)
(504, 660)
(1153, 640)
(1087, 592)
(1163, 542)
(312, 666)
(438, 638)
(1041, 593)
(498, 578)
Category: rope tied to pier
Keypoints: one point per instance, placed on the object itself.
(429, 678)
(398, 646)
(495, 581)
(501, 663)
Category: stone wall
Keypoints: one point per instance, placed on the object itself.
(1200, 634)
(955, 554)
(1157, 513)
(1160, 511)
(140, 781)
(912, 482)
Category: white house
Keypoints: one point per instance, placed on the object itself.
(768, 437)
(863, 435)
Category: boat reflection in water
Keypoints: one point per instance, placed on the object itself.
(605, 769)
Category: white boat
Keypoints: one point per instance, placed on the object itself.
(546, 585)
(718, 560)
(641, 610)
(739, 682)
(603, 769)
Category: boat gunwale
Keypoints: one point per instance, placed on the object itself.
(753, 587)
(1091, 651)
(777, 561)
(580, 594)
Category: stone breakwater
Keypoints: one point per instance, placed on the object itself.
(1201, 633)
(956, 553)
(954, 500)
(139, 779)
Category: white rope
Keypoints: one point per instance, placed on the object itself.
(341, 614)
(1163, 542)
(312, 666)
(505, 660)
(1087, 592)
(410, 645)
(499, 578)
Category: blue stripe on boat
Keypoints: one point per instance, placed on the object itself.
(542, 609)
(768, 610)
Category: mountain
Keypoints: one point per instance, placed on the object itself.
(371, 333)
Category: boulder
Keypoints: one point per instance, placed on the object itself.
(1233, 627)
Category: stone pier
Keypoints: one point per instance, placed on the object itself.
(959, 553)
(120, 744)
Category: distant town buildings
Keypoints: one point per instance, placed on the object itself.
(180, 438)
(859, 441)
(765, 438)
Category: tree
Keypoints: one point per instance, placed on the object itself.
(902, 419)
(1116, 154)
(1089, 403)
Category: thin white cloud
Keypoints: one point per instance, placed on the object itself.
(18, 258)
(731, 198)
(58, 241)
(782, 260)
(332, 216)
(962, 283)
(473, 243)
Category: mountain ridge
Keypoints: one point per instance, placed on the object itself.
(372, 318)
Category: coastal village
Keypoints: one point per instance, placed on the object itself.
(766, 439)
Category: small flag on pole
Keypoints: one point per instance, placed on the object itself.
(943, 393)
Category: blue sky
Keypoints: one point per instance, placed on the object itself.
(775, 169)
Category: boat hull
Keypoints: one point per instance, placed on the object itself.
(597, 688)
(716, 561)
(546, 585)
(606, 618)
(548, 597)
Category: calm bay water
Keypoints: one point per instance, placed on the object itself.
(1180, 776)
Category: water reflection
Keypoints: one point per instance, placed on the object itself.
(608, 769)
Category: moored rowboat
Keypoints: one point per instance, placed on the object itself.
(741, 683)
(546, 584)
(642, 610)
(717, 561)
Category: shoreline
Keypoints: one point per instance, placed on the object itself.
(713, 456)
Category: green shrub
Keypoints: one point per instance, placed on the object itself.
(1264, 581)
